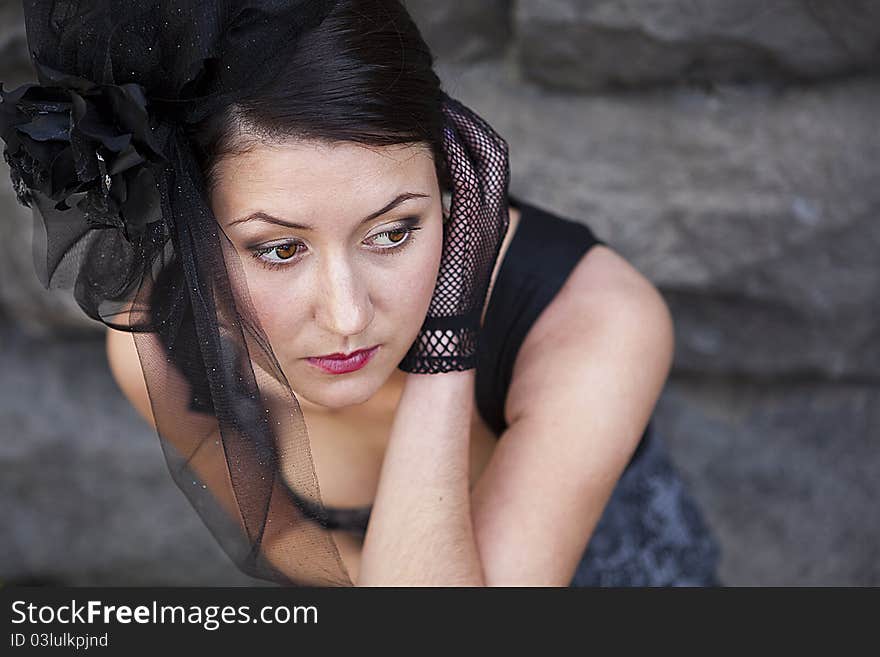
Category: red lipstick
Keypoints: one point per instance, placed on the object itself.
(343, 363)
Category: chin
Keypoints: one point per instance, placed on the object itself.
(335, 396)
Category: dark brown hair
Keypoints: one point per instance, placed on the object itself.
(364, 75)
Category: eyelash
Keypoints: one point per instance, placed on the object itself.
(385, 250)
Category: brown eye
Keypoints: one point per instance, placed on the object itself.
(285, 251)
(282, 252)
(396, 236)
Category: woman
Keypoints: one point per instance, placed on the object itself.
(513, 448)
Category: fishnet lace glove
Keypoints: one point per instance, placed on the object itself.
(477, 159)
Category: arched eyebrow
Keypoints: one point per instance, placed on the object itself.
(268, 218)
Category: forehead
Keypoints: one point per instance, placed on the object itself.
(301, 173)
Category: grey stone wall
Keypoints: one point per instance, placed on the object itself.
(729, 150)
(597, 43)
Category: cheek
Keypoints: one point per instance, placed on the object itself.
(422, 266)
(401, 289)
(267, 299)
(403, 306)
(276, 310)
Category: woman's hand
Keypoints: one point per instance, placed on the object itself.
(477, 162)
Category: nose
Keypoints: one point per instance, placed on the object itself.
(343, 303)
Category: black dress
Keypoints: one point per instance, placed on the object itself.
(651, 532)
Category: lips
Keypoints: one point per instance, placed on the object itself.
(339, 356)
(340, 363)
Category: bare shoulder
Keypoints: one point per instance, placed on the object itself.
(605, 306)
(601, 285)
(585, 383)
(125, 366)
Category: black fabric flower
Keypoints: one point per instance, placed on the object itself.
(83, 144)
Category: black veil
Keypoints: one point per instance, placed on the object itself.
(97, 149)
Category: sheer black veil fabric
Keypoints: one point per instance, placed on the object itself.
(98, 150)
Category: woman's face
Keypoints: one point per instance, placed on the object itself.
(340, 246)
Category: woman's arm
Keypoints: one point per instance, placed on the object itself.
(421, 530)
